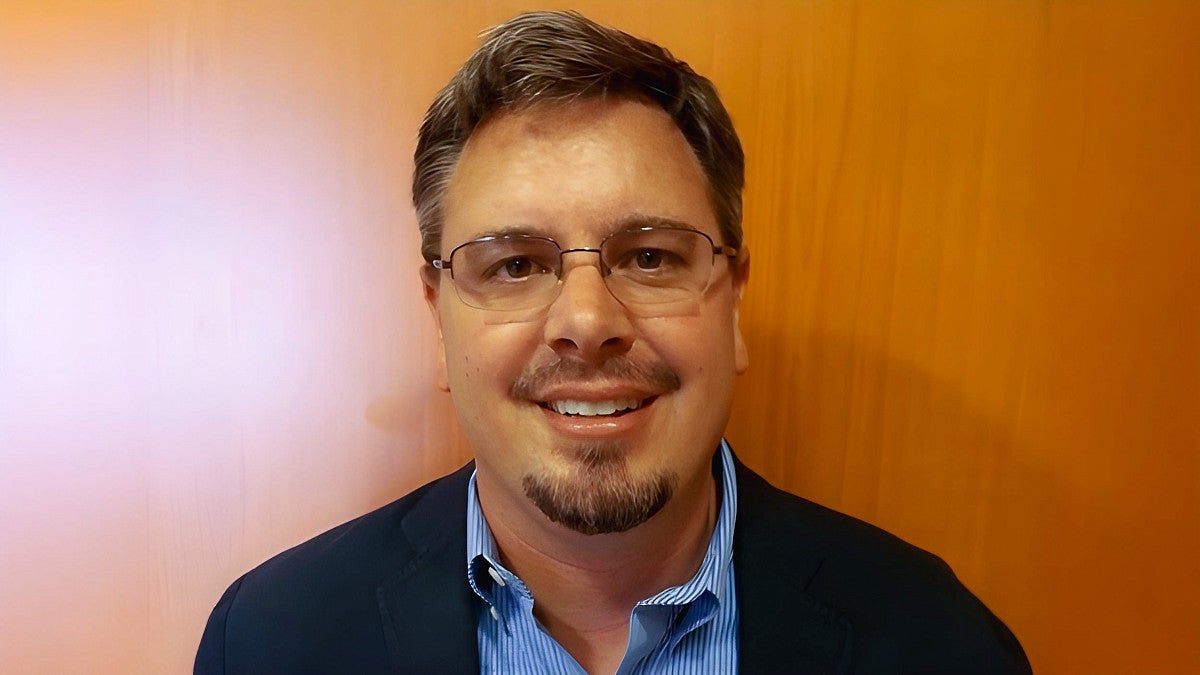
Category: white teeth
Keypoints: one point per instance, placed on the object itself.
(593, 408)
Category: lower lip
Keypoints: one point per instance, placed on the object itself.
(599, 426)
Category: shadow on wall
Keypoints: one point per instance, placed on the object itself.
(429, 412)
(937, 462)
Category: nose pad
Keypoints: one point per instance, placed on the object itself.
(586, 321)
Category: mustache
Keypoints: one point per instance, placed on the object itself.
(652, 375)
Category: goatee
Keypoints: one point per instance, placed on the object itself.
(597, 493)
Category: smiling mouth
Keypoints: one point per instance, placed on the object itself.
(611, 408)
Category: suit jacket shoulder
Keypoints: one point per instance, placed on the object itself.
(385, 592)
(817, 591)
(824, 592)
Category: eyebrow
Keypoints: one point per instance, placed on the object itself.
(631, 222)
(510, 230)
(640, 220)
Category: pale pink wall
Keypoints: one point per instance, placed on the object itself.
(212, 340)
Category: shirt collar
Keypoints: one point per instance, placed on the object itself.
(712, 577)
(481, 547)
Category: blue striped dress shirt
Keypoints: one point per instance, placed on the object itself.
(683, 630)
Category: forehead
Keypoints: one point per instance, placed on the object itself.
(576, 170)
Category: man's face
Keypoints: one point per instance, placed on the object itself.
(576, 173)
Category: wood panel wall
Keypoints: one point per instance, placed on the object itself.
(973, 317)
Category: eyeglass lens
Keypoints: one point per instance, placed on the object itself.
(641, 267)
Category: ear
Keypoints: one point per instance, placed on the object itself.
(741, 275)
(431, 280)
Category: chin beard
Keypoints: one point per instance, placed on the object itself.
(596, 493)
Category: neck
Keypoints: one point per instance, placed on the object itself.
(585, 586)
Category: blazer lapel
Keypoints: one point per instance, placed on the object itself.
(781, 627)
(429, 611)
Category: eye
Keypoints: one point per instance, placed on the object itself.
(649, 258)
(516, 268)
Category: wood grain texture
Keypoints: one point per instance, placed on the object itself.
(973, 315)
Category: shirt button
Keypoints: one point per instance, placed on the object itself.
(496, 576)
(495, 614)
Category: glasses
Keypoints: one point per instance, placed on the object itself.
(645, 268)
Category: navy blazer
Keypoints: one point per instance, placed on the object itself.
(817, 591)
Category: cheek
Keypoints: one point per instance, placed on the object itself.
(697, 348)
(486, 357)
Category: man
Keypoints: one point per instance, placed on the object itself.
(579, 198)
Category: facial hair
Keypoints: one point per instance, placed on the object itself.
(598, 494)
(653, 376)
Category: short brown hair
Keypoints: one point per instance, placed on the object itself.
(557, 56)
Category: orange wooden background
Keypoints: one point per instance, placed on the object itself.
(974, 311)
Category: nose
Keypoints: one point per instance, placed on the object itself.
(585, 321)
